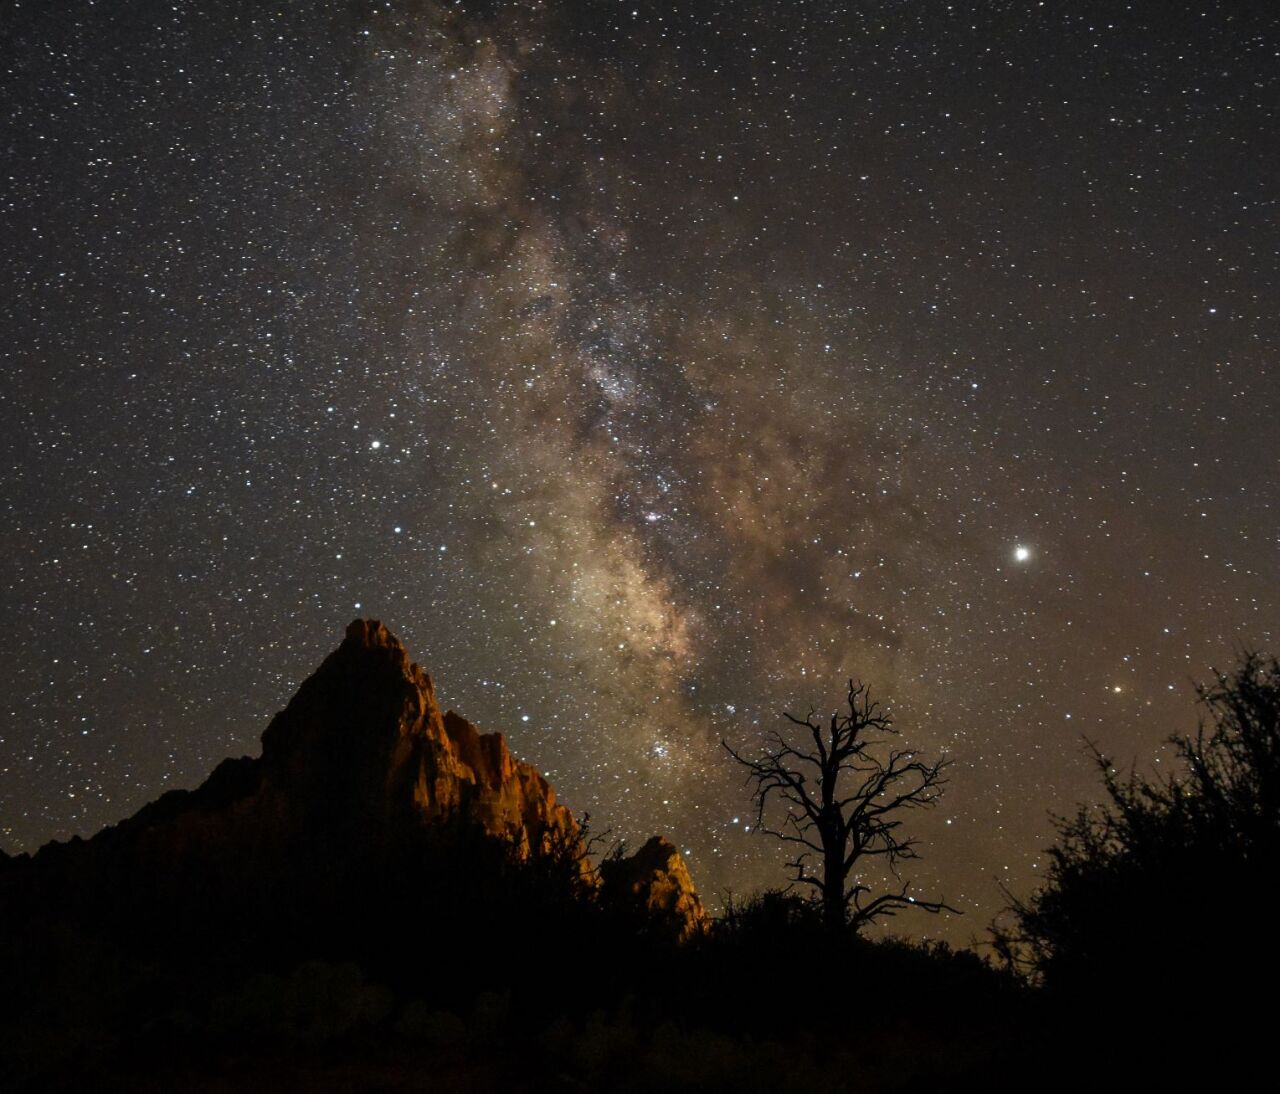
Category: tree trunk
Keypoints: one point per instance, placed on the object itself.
(833, 875)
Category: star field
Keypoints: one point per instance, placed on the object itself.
(648, 369)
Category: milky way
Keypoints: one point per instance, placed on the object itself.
(649, 369)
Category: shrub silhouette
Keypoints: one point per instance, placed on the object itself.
(1159, 891)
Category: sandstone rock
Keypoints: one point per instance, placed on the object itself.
(656, 881)
(360, 764)
(367, 733)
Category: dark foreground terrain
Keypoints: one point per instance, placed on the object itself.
(386, 900)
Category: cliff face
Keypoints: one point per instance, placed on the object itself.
(365, 740)
(360, 765)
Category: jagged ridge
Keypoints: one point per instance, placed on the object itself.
(360, 760)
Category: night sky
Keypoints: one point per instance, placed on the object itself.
(649, 369)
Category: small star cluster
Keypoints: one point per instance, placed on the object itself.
(649, 369)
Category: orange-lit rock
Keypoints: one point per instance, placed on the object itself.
(366, 731)
(656, 880)
(360, 765)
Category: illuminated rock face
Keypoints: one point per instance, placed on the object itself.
(437, 766)
(656, 882)
(366, 736)
(359, 766)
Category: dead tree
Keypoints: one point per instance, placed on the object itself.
(844, 794)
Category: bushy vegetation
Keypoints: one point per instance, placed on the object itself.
(1161, 890)
(510, 972)
(454, 956)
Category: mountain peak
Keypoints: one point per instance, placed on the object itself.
(364, 737)
(371, 632)
(360, 763)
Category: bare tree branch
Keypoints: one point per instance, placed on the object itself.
(850, 810)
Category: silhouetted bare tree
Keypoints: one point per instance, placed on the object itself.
(844, 793)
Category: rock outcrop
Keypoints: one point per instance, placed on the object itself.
(366, 737)
(359, 769)
(656, 882)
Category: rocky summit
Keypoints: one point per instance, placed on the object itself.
(360, 765)
(364, 740)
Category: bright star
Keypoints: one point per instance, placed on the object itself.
(1021, 553)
